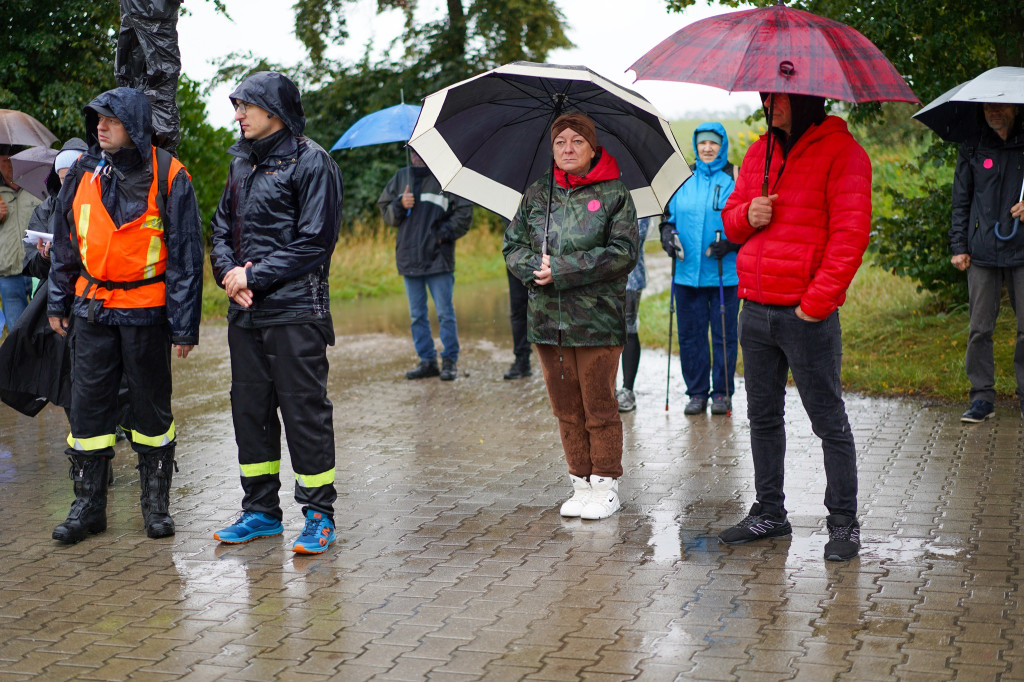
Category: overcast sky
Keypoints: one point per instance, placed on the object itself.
(609, 36)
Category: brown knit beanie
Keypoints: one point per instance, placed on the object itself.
(579, 122)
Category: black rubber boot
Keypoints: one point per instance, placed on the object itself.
(520, 369)
(155, 471)
(89, 510)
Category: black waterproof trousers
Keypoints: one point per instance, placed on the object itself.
(282, 367)
(101, 355)
(518, 300)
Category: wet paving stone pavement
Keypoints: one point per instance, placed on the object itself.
(454, 564)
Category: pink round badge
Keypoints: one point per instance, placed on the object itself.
(987, 163)
(593, 205)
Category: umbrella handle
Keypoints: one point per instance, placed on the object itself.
(1013, 232)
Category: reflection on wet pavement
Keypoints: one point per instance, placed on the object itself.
(453, 563)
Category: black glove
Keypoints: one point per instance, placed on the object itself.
(721, 249)
(668, 232)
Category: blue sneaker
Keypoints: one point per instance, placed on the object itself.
(317, 536)
(250, 526)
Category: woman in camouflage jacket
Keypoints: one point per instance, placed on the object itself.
(577, 292)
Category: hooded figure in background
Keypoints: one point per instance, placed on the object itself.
(35, 363)
(273, 236)
(126, 281)
(694, 216)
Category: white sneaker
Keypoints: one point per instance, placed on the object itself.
(580, 496)
(604, 498)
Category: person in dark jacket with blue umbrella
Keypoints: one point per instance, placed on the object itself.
(429, 221)
(127, 269)
(273, 236)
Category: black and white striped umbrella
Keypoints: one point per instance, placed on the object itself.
(488, 138)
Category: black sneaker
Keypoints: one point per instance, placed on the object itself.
(696, 406)
(979, 411)
(426, 368)
(721, 404)
(843, 538)
(520, 369)
(755, 526)
(448, 370)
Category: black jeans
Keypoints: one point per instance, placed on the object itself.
(775, 341)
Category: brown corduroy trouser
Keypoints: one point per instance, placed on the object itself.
(584, 404)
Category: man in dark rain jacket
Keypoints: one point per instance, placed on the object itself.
(986, 200)
(273, 236)
(428, 221)
(126, 268)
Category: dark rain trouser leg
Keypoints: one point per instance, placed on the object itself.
(283, 367)
(518, 300)
(100, 355)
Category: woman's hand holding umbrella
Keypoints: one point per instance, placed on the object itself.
(543, 276)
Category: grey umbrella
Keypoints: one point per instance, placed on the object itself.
(956, 115)
(18, 128)
(31, 168)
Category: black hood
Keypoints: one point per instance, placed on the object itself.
(133, 110)
(807, 111)
(52, 181)
(277, 94)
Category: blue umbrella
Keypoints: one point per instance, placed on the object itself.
(393, 124)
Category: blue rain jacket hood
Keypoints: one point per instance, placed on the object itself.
(696, 211)
(277, 94)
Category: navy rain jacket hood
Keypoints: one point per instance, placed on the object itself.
(277, 94)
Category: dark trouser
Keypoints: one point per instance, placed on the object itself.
(584, 403)
(985, 287)
(283, 367)
(775, 341)
(631, 351)
(698, 308)
(518, 299)
(101, 354)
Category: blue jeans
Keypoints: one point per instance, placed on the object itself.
(698, 308)
(441, 287)
(775, 341)
(14, 297)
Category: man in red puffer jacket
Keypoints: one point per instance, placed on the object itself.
(801, 247)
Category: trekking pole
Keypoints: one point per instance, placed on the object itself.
(721, 309)
(671, 310)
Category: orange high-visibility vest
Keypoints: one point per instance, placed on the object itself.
(121, 266)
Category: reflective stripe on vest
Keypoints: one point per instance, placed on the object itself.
(124, 254)
(261, 469)
(315, 480)
(153, 441)
(93, 443)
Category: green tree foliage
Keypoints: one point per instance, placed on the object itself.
(56, 56)
(472, 36)
(203, 150)
(935, 45)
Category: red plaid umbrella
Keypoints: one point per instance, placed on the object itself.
(776, 49)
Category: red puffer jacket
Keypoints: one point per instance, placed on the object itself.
(815, 242)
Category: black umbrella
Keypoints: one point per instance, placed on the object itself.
(488, 138)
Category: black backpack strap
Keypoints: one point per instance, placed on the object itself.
(163, 169)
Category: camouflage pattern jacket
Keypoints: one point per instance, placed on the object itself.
(594, 244)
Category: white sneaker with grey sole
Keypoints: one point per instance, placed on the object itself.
(581, 492)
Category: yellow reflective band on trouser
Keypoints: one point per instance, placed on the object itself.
(316, 480)
(153, 441)
(261, 468)
(94, 443)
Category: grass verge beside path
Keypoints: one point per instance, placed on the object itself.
(363, 266)
(894, 342)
